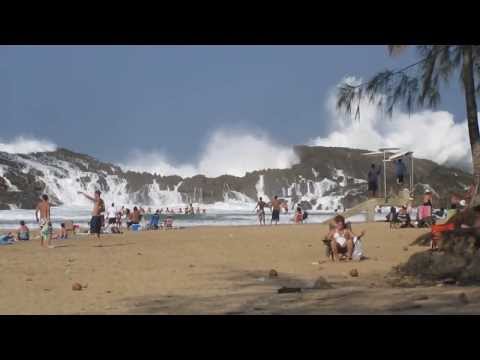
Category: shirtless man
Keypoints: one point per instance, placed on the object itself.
(98, 209)
(260, 208)
(276, 205)
(43, 208)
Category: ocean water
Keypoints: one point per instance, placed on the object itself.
(215, 216)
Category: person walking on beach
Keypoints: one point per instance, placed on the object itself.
(373, 174)
(43, 208)
(112, 215)
(400, 171)
(276, 205)
(260, 208)
(98, 210)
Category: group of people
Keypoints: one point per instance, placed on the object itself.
(189, 210)
(102, 219)
(276, 206)
(115, 217)
(374, 173)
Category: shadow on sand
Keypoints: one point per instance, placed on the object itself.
(247, 294)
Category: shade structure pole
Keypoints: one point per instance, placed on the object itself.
(412, 180)
(385, 175)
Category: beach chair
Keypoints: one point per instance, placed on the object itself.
(425, 218)
(437, 231)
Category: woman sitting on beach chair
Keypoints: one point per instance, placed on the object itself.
(404, 218)
(341, 239)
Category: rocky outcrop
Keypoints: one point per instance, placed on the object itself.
(324, 178)
(457, 259)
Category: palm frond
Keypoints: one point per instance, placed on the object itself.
(389, 88)
(395, 50)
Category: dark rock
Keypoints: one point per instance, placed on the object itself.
(286, 290)
(405, 248)
(208, 190)
(353, 272)
(305, 205)
(462, 297)
(77, 286)
(457, 259)
(423, 240)
(404, 306)
(322, 283)
(449, 281)
(273, 273)
(420, 298)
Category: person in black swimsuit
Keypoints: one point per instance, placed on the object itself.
(260, 208)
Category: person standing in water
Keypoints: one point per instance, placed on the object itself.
(43, 208)
(260, 208)
(98, 210)
(276, 205)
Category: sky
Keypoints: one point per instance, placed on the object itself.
(208, 109)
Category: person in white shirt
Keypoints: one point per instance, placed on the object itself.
(112, 215)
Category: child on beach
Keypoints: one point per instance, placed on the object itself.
(23, 232)
(46, 234)
(299, 216)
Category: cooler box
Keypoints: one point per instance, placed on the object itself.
(136, 227)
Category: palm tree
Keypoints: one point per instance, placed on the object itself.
(418, 85)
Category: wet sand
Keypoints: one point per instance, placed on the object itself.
(217, 270)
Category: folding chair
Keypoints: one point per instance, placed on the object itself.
(437, 230)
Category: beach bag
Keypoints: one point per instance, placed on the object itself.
(136, 227)
(357, 249)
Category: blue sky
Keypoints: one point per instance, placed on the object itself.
(107, 101)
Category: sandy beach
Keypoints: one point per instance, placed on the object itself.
(217, 270)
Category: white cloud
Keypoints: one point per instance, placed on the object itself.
(25, 145)
(232, 152)
(431, 135)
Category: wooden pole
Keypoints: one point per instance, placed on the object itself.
(385, 175)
